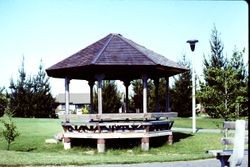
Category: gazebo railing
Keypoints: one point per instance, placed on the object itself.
(118, 116)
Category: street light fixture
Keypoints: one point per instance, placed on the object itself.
(192, 47)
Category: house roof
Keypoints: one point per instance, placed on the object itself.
(118, 58)
(74, 98)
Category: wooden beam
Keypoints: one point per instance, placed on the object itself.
(231, 125)
(117, 135)
(118, 116)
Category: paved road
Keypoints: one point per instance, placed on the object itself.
(196, 163)
(198, 130)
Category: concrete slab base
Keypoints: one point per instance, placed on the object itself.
(170, 139)
(145, 144)
(100, 145)
(66, 143)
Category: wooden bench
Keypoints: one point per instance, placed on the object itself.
(232, 157)
(116, 129)
(229, 127)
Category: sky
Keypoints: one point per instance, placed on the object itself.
(52, 30)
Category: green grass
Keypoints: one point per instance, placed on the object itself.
(33, 133)
(30, 148)
(201, 123)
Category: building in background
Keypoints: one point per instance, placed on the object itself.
(77, 101)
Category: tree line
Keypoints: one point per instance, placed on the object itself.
(29, 96)
(223, 90)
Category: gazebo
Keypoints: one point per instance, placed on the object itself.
(115, 57)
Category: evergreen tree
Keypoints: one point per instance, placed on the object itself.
(18, 95)
(240, 87)
(161, 95)
(31, 97)
(212, 65)
(111, 97)
(3, 101)
(181, 92)
(229, 102)
(137, 98)
(216, 59)
(42, 99)
(224, 90)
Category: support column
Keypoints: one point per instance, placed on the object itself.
(170, 139)
(99, 78)
(167, 94)
(145, 144)
(100, 145)
(126, 84)
(156, 83)
(144, 80)
(91, 85)
(66, 143)
(67, 82)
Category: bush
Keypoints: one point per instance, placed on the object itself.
(10, 130)
(85, 110)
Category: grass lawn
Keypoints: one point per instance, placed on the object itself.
(30, 148)
(201, 123)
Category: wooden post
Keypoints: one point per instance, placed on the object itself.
(100, 145)
(67, 81)
(144, 79)
(156, 83)
(91, 85)
(167, 94)
(99, 78)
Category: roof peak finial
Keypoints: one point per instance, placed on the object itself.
(116, 34)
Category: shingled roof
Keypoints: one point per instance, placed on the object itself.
(116, 57)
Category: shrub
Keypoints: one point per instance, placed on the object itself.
(10, 130)
(85, 110)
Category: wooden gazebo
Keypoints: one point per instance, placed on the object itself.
(116, 58)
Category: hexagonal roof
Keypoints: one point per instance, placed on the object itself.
(117, 58)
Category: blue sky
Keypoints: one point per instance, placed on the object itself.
(52, 30)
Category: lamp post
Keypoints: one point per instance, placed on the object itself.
(192, 47)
